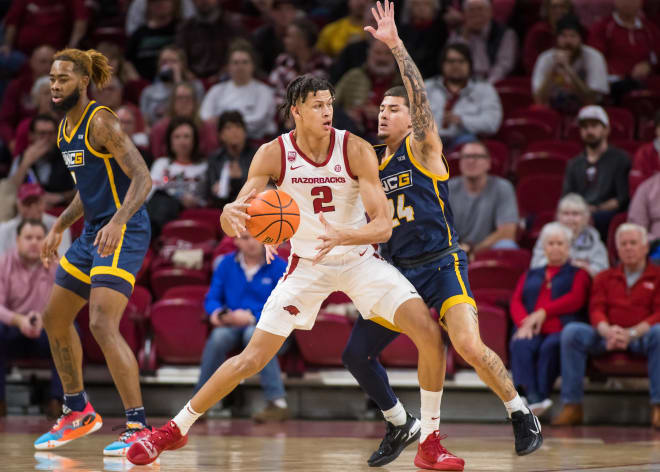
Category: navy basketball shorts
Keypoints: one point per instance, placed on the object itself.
(82, 268)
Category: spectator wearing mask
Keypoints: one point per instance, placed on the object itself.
(625, 313)
(42, 163)
(587, 250)
(645, 211)
(494, 47)
(145, 43)
(183, 103)
(228, 166)
(361, 90)
(269, 38)
(545, 300)
(239, 289)
(31, 206)
(647, 157)
(25, 285)
(463, 108)
(337, 35)
(484, 206)
(542, 35)
(630, 44)
(179, 179)
(570, 75)
(172, 70)
(600, 173)
(16, 102)
(254, 99)
(206, 36)
(300, 57)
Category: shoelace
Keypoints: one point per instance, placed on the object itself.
(127, 431)
(435, 446)
(66, 411)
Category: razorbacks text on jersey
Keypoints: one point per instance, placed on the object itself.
(99, 179)
(422, 219)
(328, 187)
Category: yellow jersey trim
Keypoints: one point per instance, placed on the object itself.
(117, 272)
(75, 128)
(384, 323)
(115, 259)
(87, 143)
(74, 271)
(442, 207)
(59, 133)
(111, 178)
(385, 162)
(423, 169)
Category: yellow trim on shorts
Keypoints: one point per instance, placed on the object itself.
(74, 271)
(87, 143)
(384, 323)
(453, 301)
(117, 272)
(115, 259)
(75, 128)
(442, 207)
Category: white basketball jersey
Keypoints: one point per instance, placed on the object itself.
(327, 187)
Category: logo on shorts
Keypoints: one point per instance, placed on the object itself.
(291, 156)
(293, 311)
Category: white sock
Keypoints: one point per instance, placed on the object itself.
(430, 412)
(396, 415)
(515, 405)
(185, 418)
(280, 402)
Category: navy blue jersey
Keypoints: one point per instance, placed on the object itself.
(99, 179)
(422, 220)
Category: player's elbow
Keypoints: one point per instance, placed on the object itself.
(385, 230)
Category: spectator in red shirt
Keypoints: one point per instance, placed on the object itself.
(16, 102)
(541, 35)
(545, 300)
(625, 316)
(647, 157)
(32, 23)
(630, 44)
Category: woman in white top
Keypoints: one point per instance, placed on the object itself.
(587, 250)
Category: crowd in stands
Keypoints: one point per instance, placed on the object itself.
(549, 111)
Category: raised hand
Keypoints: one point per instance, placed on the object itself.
(386, 31)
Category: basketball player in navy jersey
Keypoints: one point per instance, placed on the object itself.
(112, 183)
(424, 247)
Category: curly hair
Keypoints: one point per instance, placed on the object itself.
(300, 87)
(90, 63)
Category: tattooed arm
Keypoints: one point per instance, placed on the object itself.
(426, 143)
(107, 136)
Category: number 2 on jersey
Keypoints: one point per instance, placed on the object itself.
(402, 211)
(324, 195)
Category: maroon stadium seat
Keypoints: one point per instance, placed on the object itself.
(629, 145)
(494, 274)
(166, 278)
(515, 257)
(208, 216)
(189, 292)
(499, 155)
(647, 131)
(494, 329)
(616, 221)
(538, 193)
(517, 133)
(642, 103)
(620, 364)
(568, 149)
(514, 98)
(179, 330)
(540, 113)
(225, 246)
(324, 343)
(400, 353)
(534, 164)
(193, 231)
(500, 297)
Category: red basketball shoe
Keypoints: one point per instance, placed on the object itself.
(147, 449)
(431, 454)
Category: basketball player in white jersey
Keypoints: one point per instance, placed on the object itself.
(333, 176)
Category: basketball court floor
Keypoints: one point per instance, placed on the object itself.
(338, 446)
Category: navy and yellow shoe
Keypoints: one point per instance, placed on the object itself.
(71, 425)
(132, 433)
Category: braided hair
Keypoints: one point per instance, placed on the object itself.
(300, 87)
(90, 63)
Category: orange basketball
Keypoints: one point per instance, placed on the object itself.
(274, 217)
